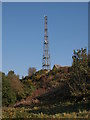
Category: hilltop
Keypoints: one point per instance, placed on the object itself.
(62, 89)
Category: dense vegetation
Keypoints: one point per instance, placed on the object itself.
(61, 92)
(13, 89)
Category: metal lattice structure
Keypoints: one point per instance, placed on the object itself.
(46, 54)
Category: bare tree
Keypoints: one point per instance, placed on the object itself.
(31, 71)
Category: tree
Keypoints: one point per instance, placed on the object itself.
(78, 78)
(8, 96)
(31, 71)
(12, 76)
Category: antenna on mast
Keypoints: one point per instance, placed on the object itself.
(46, 54)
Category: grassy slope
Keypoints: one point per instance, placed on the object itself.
(55, 103)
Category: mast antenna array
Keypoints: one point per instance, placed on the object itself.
(46, 54)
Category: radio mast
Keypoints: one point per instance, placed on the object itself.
(46, 54)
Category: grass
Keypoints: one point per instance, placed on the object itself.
(65, 110)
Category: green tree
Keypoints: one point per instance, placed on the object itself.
(12, 88)
(78, 79)
(8, 96)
